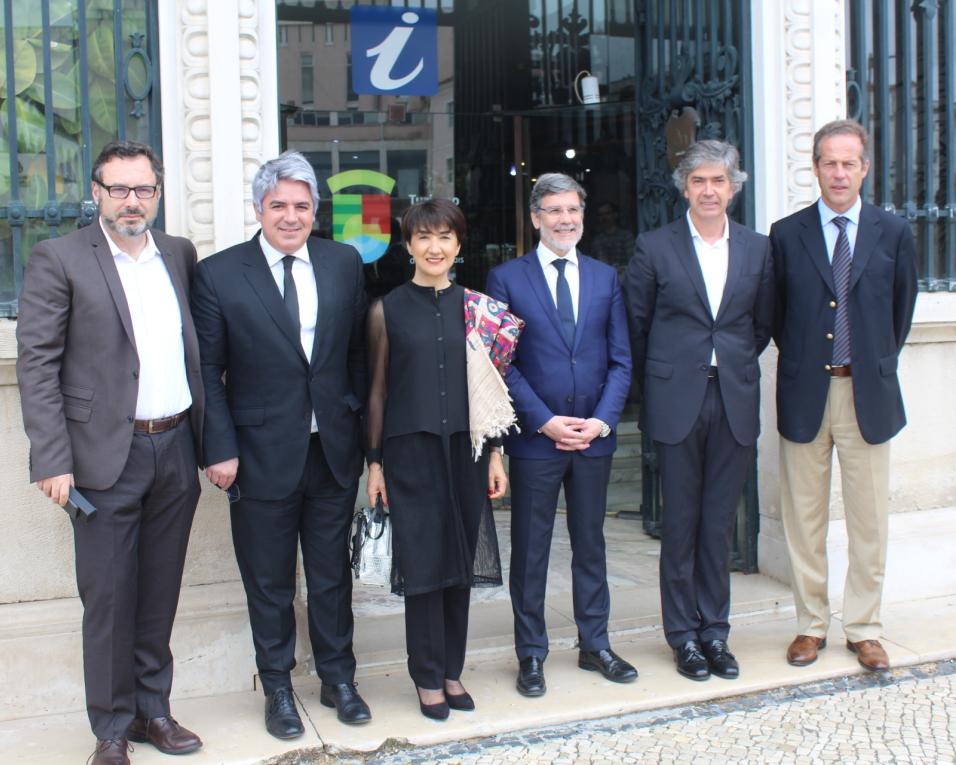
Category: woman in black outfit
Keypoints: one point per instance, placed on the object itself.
(418, 428)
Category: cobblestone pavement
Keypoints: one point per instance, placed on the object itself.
(905, 716)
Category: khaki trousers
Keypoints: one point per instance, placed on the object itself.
(805, 471)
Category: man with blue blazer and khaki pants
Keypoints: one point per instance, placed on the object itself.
(569, 382)
(846, 289)
(699, 295)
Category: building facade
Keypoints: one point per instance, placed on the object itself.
(224, 85)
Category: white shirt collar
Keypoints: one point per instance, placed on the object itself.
(149, 251)
(546, 255)
(274, 256)
(695, 234)
(853, 214)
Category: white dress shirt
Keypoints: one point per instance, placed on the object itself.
(830, 229)
(306, 291)
(713, 259)
(158, 329)
(571, 273)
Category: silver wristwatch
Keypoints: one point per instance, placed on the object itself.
(605, 429)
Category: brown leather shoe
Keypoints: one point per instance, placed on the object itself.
(803, 650)
(870, 654)
(167, 735)
(110, 751)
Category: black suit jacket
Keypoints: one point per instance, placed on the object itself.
(261, 390)
(77, 362)
(673, 331)
(882, 298)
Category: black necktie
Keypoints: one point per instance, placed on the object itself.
(842, 261)
(565, 305)
(289, 296)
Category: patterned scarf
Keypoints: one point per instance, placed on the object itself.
(491, 336)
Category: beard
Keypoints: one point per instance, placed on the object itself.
(127, 229)
(561, 246)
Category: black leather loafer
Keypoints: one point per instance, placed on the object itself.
(691, 661)
(609, 664)
(720, 660)
(531, 677)
(282, 719)
(350, 708)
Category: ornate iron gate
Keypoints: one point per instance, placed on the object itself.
(901, 84)
(693, 73)
(75, 74)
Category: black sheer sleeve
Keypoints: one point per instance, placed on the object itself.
(378, 382)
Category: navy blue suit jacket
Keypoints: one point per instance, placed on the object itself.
(673, 331)
(550, 378)
(882, 298)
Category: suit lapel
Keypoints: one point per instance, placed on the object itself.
(257, 273)
(540, 288)
(868, 233)
(811, 236)
(320, 267)
(687, 256)
(104, 257)
(585, 288)
(736, 252)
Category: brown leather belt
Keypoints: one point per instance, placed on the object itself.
(842, 371)
(160, 425)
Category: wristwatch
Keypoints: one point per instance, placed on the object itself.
(605, 429)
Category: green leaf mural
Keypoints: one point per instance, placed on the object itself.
(25, 67)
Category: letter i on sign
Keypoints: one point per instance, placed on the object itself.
(394, 51)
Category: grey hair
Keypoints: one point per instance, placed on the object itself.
(288, 166)
(710, 152)
(554, 183)
(842, 127)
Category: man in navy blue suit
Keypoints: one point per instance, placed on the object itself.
(700, 300)
(846, 289)
(569, 382)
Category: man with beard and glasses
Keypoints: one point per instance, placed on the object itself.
(108, 368)
(569, 381)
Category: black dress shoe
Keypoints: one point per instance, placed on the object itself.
(691, 661)
(609, 664)
(439, 711)
(350, 708)
(720, 660)
(531, 677)
(463, 702)
(282, 719)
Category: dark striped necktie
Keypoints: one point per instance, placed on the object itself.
(842, 260)
(289, 294)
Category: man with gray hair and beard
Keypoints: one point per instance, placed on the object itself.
(281, 326)
(699, 294)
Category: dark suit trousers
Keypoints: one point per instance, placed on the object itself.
(266, 535)
(534, 496)
(702, 478)
(436, 631)
(129, 567)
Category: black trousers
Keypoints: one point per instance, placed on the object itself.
(436, 631)
(534, 498)
(266, 535)
(702, 478)
(129, 567)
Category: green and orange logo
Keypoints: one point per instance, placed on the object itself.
(362, 220)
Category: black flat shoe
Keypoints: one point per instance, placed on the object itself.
(691, 661)
(439, 711)
(609, 664)
(282, 719)
(531, 677)
(350, 708)
(720, 660)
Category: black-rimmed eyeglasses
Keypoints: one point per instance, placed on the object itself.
(122, 192)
